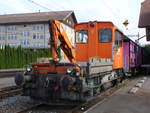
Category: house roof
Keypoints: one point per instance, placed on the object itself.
(144, 20)
(36, 17)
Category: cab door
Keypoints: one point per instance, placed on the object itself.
(86, 43)
(81, 45)
(118, 51)
(105, 42)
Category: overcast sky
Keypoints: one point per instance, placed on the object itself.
(116, 11)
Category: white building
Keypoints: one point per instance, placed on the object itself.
(30, 30)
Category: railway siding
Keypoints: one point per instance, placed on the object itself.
(10, 72)
(10, 91)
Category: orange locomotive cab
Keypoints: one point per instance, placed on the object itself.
(99, 39)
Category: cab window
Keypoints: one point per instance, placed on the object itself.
(81, 36)
(118, 39)
(105, 35)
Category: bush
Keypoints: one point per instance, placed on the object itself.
(20, 57)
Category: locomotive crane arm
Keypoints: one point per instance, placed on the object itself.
(57, 33)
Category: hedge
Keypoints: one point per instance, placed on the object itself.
(19, 57)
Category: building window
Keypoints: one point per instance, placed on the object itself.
(38, 36)
(38, 45)
(81, 36)
(12, 37)
(105, 35)
(70, 22)
(25, 42)
(2, 29)
(34, 36)
(25, 33)
(2, 37)
(38, 27)
(41, 36)
(11, 28)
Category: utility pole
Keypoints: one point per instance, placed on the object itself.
(140, 38)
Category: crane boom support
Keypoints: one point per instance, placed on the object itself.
(57, 33)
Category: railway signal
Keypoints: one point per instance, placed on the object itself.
(125, 23)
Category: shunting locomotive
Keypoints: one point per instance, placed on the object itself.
(96, 63)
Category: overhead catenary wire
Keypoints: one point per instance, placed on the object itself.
(62, 7)
(31, 1)
(114, 13)
(39, 5)
(44, 7)
(111, 9)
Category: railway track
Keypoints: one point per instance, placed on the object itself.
(10, 91)
(10, 72)
(74, 109)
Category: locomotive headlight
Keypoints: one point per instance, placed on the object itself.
(69, 70)
(78, 72)
(29, 69)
